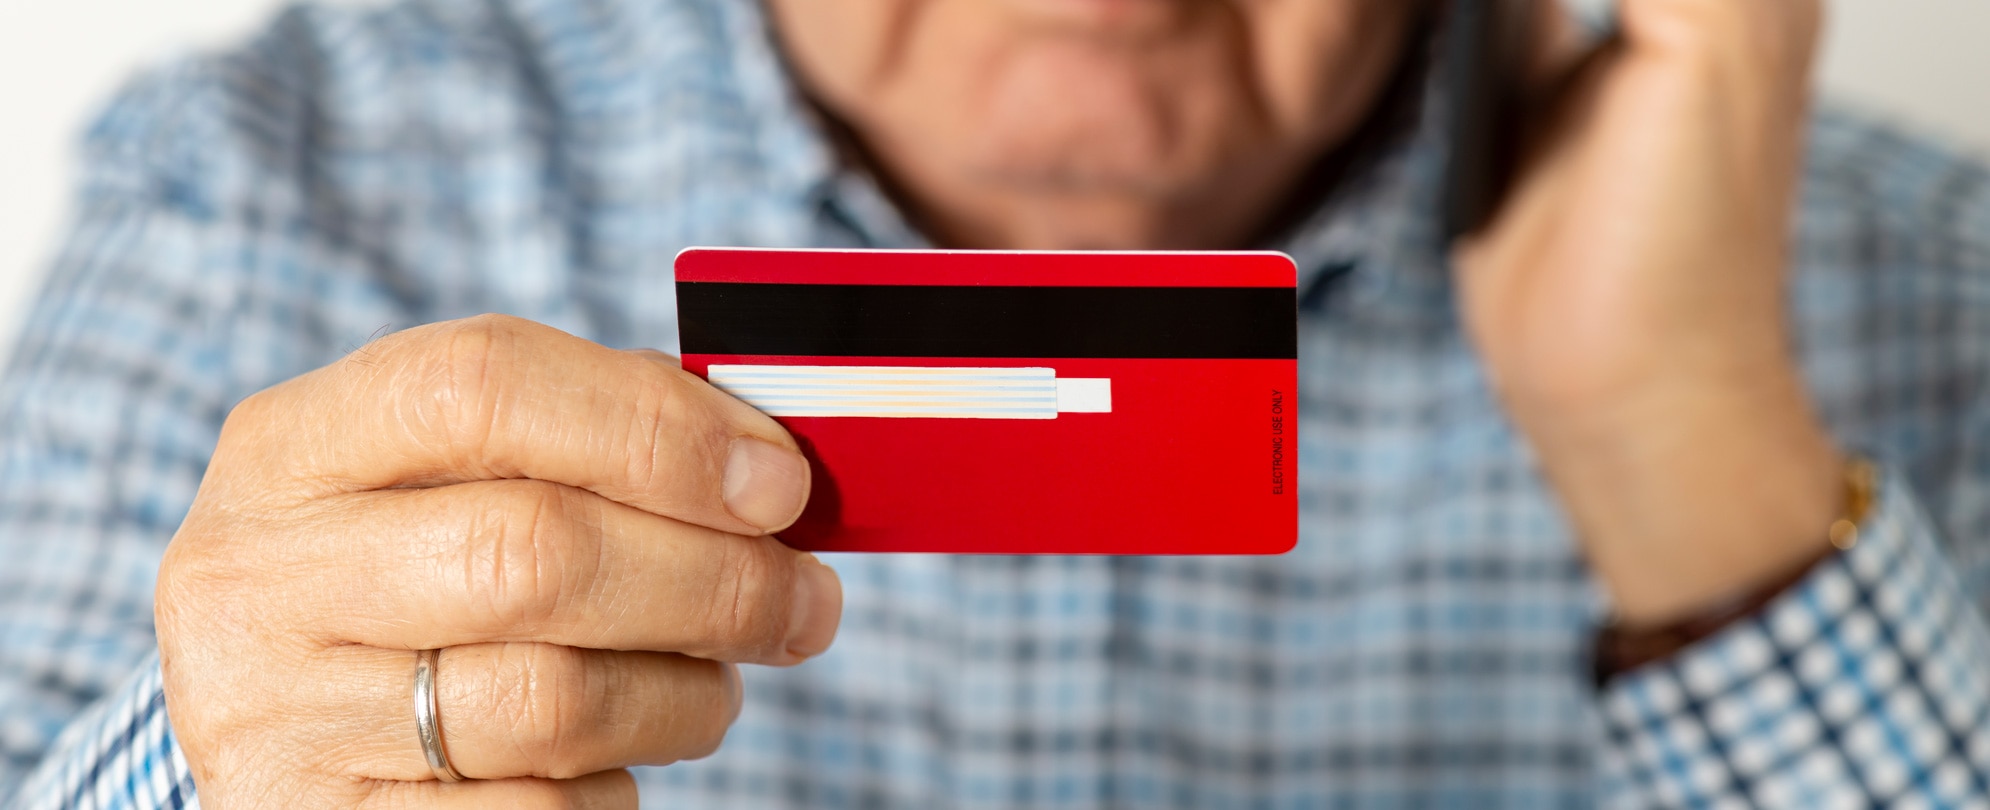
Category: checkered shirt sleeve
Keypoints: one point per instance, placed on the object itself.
(1867, 685)
(119, 754)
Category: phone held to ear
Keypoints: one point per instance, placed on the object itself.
(1482, 48)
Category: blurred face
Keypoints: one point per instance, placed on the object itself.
(1123, 124)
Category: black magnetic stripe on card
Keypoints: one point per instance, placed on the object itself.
(833, 320)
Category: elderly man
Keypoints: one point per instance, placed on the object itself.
(1588, 511)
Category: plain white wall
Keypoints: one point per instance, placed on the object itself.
(1924, 61)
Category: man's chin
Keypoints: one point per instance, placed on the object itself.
(1078, 179)
(1094, 213)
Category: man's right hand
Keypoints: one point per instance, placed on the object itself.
(584, 533)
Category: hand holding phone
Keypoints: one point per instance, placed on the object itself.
(1626, 292)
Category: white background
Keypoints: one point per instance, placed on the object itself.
(1924, 61)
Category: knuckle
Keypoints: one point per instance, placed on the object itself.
(176, 595)
(752, 585)
(552, 699)
(180, 580)
(247, 417)
(469, 350)
(526, 555)
(462, 368)
(714, 714)
(205, 587)
(665, 416)
(250, 437)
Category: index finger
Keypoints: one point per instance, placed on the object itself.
(495, 397)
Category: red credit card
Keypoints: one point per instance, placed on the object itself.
(1016, 403)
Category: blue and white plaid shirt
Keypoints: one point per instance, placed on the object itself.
(250, 216)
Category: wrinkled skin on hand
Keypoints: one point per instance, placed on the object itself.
(584, 533)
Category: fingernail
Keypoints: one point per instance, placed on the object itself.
(765, 484)
(818, 608)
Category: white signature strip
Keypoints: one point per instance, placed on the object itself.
(903, 392)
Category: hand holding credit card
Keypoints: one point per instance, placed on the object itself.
(1015, 403)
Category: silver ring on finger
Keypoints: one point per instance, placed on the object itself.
(428, 717)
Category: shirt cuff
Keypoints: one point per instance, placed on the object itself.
(1867, 684)
(119, 754)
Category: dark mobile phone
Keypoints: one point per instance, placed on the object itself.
(1482, 48)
